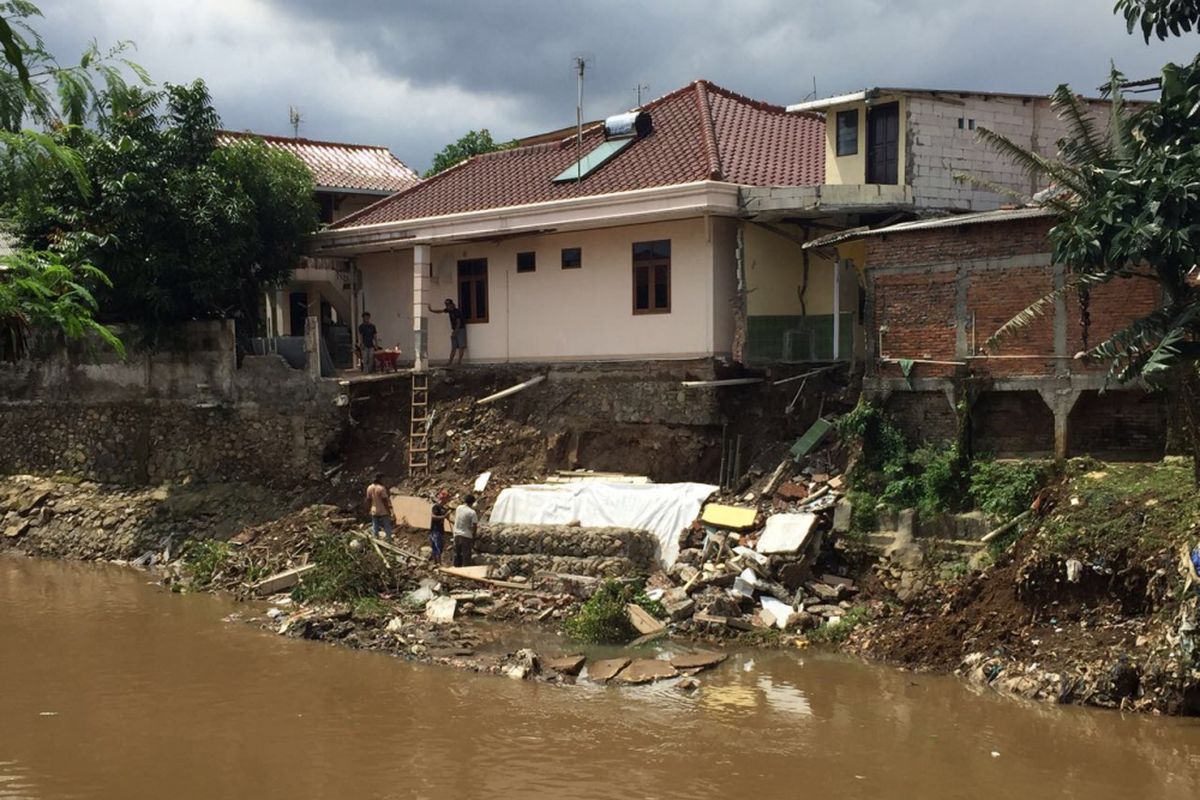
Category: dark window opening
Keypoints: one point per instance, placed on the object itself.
(325, 207)
(473, 289)
(847, 132)
(527, 262)
(652, 277)
(883, 144)
(572, 257)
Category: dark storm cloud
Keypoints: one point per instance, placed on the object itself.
(414, 75)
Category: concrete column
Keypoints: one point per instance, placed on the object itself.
(1060, 401)
(1061, 365)
(312, 346)
(422, 294)
(837, 308)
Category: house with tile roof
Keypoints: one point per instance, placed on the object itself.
(626, 243)
(348, 178)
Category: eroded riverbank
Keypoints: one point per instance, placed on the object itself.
(127, 691)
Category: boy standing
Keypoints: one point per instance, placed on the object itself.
(379, 504)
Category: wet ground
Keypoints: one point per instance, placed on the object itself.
(111, 687)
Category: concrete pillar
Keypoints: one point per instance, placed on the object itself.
(422, 294)
(312, 346)
(837, 308)
(1060, 401)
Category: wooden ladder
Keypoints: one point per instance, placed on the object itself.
(418, 426)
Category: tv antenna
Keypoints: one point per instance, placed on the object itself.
(294, 118)
(581, 65)
(641, 87)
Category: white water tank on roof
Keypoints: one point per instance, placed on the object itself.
(633, 124)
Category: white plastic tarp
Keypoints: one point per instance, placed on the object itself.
(664, 509)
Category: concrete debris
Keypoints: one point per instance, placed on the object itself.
(786, 533)
(566, 665)
(605, 670)
(441, 609)
(697, 660)
(647, 670)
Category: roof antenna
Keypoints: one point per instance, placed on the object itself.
(295, 119)
(641, 87)
(814, 91)
(581, 63)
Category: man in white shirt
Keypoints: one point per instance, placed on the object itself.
(465, 523)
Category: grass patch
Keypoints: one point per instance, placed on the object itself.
(839, 631)
(602, 619)
(1004, 489)
(1135, 508)
(204, 559)
(342, 574)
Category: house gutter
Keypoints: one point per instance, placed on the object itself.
(681, 200)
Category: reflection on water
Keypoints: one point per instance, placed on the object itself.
(153, 695)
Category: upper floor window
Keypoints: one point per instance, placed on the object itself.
(572, 258)
(527, 262)
(847, 132)
(652, 277)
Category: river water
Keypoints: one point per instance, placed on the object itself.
(111, 687)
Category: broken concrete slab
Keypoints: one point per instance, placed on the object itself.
(679, 609)
(282, 581)
(781, 612)
(837, 580)
(792, 491)
(647, 670)
(746, 583)
(786, 533)
(841, 516)
(642, 620)
(827, 593)
(697, 660)
(441, 609)
(410, 511)
(16, 529)
(566, 665)
(606, 669)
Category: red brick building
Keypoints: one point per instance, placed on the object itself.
(936, 290)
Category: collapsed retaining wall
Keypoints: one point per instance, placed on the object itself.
(528, 549)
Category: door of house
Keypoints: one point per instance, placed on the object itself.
(883, 143)
(473, 289)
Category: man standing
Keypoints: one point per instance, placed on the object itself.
(437, 526)
(458, 329)
(367, 334)
(465, 523)
(379, 503)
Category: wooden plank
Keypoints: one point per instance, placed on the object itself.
(282, 580)
(643, 621)
(478, 573)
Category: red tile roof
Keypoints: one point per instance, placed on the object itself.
(338, 165)
(700, 132)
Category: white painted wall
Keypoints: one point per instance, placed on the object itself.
(557, 314)
(387, 295)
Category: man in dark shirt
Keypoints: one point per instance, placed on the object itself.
(458, 329)
(437, 526)
(367, 335)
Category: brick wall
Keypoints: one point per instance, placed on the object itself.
(1012, 424)
(943, 292)
(1117, 424)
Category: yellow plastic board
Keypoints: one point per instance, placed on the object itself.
(732, 517)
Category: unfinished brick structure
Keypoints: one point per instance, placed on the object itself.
(938, 289)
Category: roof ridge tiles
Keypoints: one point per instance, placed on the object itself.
(708, 132)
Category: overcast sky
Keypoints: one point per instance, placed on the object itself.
(415, 74)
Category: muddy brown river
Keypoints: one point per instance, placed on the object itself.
(111, 687)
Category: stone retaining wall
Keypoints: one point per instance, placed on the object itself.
(569, 549)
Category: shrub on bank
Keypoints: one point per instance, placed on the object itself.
(602, 619)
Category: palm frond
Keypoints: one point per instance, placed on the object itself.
(1037, 164)
(1085, 144)
(1038, 308)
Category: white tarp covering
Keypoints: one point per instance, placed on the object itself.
(664, 509)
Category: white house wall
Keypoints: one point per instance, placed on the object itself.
(567, 314)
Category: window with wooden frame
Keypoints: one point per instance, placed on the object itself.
(652, 277)
(473, 289)
(847, 132)
(527, 261)
(572, 257)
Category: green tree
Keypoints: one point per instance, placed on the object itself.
(185, 228)
(1128, 197)
(38, 288)
(471, 143)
